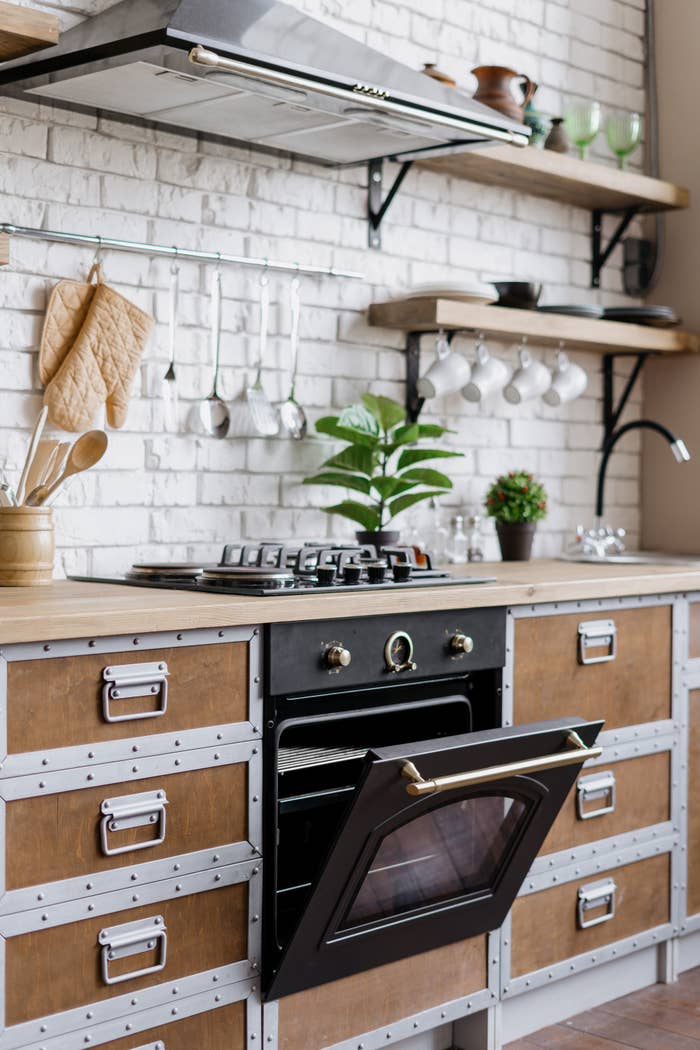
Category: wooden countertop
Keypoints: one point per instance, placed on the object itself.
(68, 609)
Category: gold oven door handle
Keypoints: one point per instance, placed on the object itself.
(577, 753)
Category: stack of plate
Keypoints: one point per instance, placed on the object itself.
(591, 312)
(656, 316)
(458, 290)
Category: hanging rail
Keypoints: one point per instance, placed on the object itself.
(171, 252)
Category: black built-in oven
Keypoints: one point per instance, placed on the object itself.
(399, 816)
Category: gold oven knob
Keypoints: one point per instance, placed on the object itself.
(461, 643)
(338, 656)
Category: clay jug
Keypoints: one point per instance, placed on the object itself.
(495, 89)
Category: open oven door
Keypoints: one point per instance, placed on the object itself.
(434, 847)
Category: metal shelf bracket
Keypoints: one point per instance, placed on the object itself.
(612, 411)
(376, 208)
(600, 255)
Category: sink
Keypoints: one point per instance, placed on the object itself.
(633, 558)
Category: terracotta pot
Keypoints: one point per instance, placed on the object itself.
(495, 89)
(515, 539)
(382, 538)
(26, 546)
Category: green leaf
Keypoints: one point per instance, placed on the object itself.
(355, 458)
(426, 476)
(404, 502)
(433, 430)
(348, 481)
(358, 417)
(417, 455)
(387, 487)
(405, 435)
(367, 517)
(330, 425)
(387, 412)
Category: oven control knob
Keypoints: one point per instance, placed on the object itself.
(338, 656)
(461, 643)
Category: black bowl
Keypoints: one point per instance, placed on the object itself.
(519, 295)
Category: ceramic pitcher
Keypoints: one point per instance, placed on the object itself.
(495, 89)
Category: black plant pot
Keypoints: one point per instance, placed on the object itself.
(381, 538)
(515, 538)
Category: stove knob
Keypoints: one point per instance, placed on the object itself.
(338, 656)
(461, 643)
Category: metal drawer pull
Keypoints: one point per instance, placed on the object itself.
(588, 789)
(596, 634)
(133, 811)
(130, 680)
(578, 752)
(133, 938)
(596, 895)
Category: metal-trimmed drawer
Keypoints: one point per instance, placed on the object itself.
(614, 665)
(588, 913)
(613, 798)
(139, 817)
(164, 939)
(225, 1028)
(91, 698)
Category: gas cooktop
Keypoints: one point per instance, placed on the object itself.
(277, 568)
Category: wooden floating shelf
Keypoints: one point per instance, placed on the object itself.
(430, 315)
(23, 31)
(560, 177)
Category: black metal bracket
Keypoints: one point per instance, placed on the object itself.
(600, 255)
(376, 208)
(612, 411)
(414, 402)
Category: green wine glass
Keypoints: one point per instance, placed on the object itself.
(623, 131)
(582, 123)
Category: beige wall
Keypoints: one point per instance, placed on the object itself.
(670, 493)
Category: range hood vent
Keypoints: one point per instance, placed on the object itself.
(249, 71)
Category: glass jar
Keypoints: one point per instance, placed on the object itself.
(457, 545)
(475, 542)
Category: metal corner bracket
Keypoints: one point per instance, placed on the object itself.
(600, 255)
(376, 208)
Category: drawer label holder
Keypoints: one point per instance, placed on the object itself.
(592, 897)
(133, 811)
(591, 789)
(594, 635)
(133, 938)
(126, 681)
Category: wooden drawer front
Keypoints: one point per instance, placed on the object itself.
(694, 631)
(57, 703)
(693, 881)
(545, 926)
(52, 970)
(642, 798)
(320, 1017)
(633, 688)
(53, 837)
(221, 1029)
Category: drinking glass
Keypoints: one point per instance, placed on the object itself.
(582, 123)
(623, 131)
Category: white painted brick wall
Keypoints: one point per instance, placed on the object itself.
(184, 495)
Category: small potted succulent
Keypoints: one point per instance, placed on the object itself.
(384, 462)
(517, 501)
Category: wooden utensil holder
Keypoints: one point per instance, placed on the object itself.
(26, 546)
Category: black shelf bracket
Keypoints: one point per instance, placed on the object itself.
(600, 255)
(376, 207)
(611, 411)
(414, 402)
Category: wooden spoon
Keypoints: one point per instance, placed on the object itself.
(85, 453)
(45, 456)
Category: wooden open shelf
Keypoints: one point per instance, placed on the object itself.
(430, 315)
(23, 30)
(560, 177)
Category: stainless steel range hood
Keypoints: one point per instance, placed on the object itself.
(254, 71)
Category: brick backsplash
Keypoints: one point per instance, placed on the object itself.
(182, 495)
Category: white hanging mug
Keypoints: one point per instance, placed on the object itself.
(447, 374)
(530, 380)
(569, 381)
(488, 376)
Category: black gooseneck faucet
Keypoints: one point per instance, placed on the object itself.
(678, 448)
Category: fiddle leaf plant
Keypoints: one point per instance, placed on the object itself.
(380, 461)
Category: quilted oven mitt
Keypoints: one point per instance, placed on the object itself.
(65, 316)
(101, 364)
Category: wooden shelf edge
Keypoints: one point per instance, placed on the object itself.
(429, 315)
(561, 177)
(23, 30)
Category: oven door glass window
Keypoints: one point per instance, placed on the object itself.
(432, 849)
(452, 851)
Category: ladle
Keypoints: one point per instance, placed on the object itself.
(213, 413)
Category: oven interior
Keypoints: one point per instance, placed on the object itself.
(316, 757)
